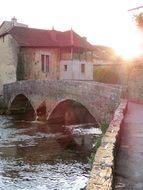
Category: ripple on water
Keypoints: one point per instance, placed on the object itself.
(35, 157)
(57, 176)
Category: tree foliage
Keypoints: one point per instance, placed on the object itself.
(20, 71)
(139, 20)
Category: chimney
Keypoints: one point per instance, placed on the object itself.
(71, 36)
(85, 38)
(14, 21)
(53, 34)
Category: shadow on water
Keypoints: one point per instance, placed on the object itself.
(36, 155)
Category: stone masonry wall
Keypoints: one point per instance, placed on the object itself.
(8, 60)
(103, 167)
(32, 63)
(135, 84)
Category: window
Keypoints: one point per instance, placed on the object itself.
(65, 67)
(82, 68)
(45, 63)
(42, 62)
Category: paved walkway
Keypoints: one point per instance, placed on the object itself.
(129, 164)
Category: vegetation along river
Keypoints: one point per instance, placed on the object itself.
(37, 156)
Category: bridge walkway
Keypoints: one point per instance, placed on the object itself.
(129, 160)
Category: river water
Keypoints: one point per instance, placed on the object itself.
(37, 156)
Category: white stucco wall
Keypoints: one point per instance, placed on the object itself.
(8, 60)
(102, 62)
(74, 70)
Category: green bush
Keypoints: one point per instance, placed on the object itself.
(104, 126)
(20, 70)
(106, 74)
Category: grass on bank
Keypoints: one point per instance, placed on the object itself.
(104, 126)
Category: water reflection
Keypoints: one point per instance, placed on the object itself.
(36, 156)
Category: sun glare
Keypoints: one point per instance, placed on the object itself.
(128, 51)
(129, 46)
(128, 40)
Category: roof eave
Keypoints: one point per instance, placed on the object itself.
(41, 46)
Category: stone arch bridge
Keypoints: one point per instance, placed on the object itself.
(60, 98)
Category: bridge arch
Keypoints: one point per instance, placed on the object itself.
(69, 111)
(22, 105)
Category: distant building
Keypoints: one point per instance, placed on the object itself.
(103, 55)
(28, 53)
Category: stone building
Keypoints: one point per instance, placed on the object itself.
(7, 25)
(104, 55)
(28, 53)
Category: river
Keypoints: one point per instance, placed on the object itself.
(37, 156)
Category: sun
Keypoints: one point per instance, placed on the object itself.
(127, 39)
(129, 45)
(128, 50)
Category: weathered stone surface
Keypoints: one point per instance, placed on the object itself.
(95, 97)
(3, 106)
(103, 166)
(8, 60)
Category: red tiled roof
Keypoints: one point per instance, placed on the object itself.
(30, 37)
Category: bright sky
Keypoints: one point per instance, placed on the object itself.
(104, 22)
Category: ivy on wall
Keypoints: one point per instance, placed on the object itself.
(20, 70)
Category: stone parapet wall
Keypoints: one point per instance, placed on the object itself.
(103, 167)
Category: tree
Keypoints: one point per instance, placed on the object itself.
(139, 20)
